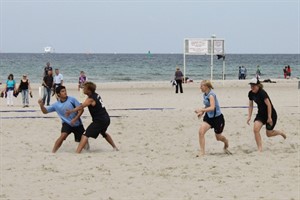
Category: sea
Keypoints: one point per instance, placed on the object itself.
(103, 68)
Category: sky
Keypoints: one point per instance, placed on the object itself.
(159, 26)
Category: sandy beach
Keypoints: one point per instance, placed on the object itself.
(156, 131)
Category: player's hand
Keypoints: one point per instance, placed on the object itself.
(248, 120)
(40, 102)
(270, 121)
(73, 122)
(68, 112)
(199, 113)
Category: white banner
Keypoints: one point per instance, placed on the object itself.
(218, 47)
(196, 46)
(203, 46)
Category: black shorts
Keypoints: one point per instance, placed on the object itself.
(217, 123)
(264, 119)
(96, 128)
(77, 130)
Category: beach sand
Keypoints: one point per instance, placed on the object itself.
(157, 147)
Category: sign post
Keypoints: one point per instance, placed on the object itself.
(204, 46)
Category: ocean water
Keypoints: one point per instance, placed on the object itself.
(143, 67)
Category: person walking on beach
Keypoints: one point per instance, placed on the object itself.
(213, 117)
(10, 89)
(70, 124)
(82, 80)
(25, 90)
(266, 112)
(179, 79)
(48, 85)
(100, 117)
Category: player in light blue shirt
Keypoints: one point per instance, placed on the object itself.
(71, 123)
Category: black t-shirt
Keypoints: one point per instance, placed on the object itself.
(259, 99)
(98, 112)
(46, 69)
(24, 85)
(48, 80)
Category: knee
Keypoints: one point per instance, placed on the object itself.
(269, 133)
(256, 130)
(218, 137)
(201, 132)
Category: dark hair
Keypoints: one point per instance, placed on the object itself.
(10, 76)
(59, 88)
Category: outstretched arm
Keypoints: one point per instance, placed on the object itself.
(42, 106)
(86, 103)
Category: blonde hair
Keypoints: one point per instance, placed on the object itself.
(207, 83)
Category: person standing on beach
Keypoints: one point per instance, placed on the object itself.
(258, 73)
(100, 117)
(47, 68)
(70, 124)
(10, 89)
(25, 90)
(213, 117)
(58, 79)
(285, 72)
(266, 112)
(179, 79)
(48, 85)
(82, 80)
(288, 72)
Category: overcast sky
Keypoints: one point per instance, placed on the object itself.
(257, 26)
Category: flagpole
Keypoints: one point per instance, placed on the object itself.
(212, 56)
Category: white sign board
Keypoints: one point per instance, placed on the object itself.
(196, 46)
(218, 47)
(204, 46)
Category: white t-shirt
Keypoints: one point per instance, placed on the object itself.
(58, 78)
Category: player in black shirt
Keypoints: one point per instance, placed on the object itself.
(266, 112)
(100, 117)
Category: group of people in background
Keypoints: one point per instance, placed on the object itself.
(12, 90)
(50, 82)
(242, 72)
(287, 71)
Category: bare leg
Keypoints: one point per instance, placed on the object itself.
(203, 129)
(256, 130)
(111, 142)
(272, 133)
(223, 139)
(59, 142)
(82, 143)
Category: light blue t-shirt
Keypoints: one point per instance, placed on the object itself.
(206, 102)
(10, 83)
(62, 107)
